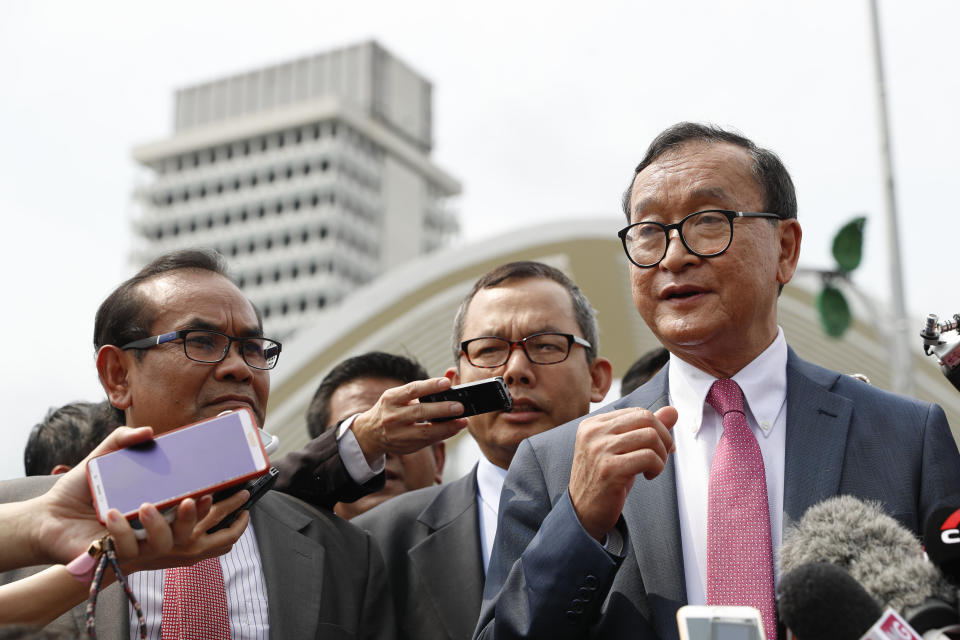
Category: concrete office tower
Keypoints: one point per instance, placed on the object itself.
(312, 177)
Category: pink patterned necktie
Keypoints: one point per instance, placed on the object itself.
(739, 556)
(195, 603)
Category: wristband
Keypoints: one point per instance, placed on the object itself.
(82, 567)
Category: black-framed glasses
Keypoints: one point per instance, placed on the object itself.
(204, 345)
(704, 233)
(546, 347)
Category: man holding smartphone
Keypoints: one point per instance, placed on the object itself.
(529, 323)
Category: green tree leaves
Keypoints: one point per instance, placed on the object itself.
(835, 315)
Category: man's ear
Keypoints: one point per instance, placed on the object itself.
(601, 377)
(790, 234)
(439, 451)
(453, 374)
(113, 367)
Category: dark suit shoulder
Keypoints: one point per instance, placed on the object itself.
(322, 573)
(408, 518)
(871, 403)
(336, 534)
(430, 540)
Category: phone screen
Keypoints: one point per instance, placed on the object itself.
(178, 464)
(705, 629)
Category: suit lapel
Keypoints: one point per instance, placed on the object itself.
(455, 584)
(653, 520)
(292, 568)
(817, 425)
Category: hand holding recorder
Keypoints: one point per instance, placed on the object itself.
(399, 424)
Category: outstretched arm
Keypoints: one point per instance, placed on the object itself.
(398, 423)
(61, 524)
(38, 599)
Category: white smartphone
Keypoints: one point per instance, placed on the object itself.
(720, 623)
(191, 461)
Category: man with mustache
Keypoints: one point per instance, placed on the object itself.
(529, 323)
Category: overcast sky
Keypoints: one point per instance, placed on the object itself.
(541, 111)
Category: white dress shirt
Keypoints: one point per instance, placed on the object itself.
(244, 583)
(696, 434)
(489, 485)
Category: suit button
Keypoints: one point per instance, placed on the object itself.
(585, 594)
(573, 617)
(590, 582)
(577, 606)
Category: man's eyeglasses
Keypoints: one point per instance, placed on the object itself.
(202, 345)
(547, 347)
(704, 233)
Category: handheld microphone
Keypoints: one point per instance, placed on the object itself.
(821, 601)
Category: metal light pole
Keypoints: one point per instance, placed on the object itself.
(901, 361)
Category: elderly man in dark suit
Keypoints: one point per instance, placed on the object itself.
(610, 523)
(178, 343)
(529, 323)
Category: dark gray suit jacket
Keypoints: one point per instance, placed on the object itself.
(549, 579)
(325, 578)
(430, 539)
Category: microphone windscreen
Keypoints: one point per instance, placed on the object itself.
(821, 601)
(886, 559)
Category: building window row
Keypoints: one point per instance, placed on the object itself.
(285, 307)
(253, 179)
(262, 176)
(276, 140)
(267, 243)
(279, 273)
(278, 207)
(254, 146)
(262, 210)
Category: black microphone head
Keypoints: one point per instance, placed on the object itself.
(886, 559)
(941, 537)
(821, 601)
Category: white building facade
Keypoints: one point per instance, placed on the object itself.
(311, 177)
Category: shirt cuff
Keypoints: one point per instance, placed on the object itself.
(352, 455)
(613, 544)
